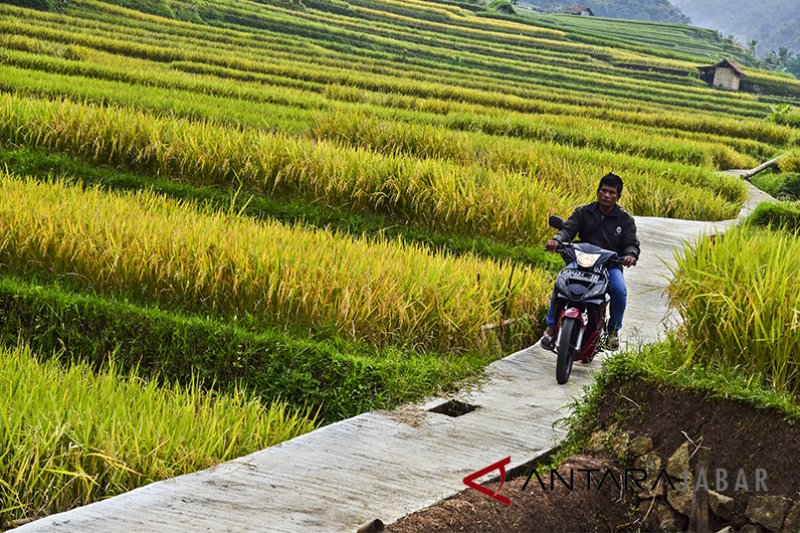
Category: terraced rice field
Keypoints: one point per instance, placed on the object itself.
(333, 206)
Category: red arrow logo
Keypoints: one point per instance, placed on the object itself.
(499, 465)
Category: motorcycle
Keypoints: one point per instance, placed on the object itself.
(581, 301)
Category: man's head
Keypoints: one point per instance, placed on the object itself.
(609, 191)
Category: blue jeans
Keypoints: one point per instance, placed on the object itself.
(619, 299)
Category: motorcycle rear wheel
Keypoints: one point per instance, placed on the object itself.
(566, 349)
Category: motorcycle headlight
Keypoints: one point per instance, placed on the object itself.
(586, 260)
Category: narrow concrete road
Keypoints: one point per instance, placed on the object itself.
(385, 465)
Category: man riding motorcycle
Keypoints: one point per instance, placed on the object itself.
(604, 224)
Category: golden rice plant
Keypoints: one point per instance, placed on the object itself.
(507, 204)
(450, 11)
(71, 436)
(472, 117)
(289, 67)
(249, 61)
(738, 294)
(790, 161)
(569, 101)
(152, 249)
(430, 193)
(362, 129)
(661, 188)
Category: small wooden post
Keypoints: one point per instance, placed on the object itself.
(698, 516)
(752, 172)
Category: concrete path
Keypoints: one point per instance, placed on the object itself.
(385, 465)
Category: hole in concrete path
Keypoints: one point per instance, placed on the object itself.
(453, 408)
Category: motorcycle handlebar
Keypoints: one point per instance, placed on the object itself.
(564, 246)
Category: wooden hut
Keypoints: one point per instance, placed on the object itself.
(583, 11)
(726, 75)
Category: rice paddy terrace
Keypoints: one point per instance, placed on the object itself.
(276, 215)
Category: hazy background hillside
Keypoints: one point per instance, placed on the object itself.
(766, 30)
(773, 23)
(660, 10)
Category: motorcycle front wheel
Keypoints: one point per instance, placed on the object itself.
(566, 349)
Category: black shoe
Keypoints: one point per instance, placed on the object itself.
(548, 341)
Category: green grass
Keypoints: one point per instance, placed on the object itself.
(739, 309)
(781, 185)
(781, 215)
(334, 377)
(670, 40)
(71, 436)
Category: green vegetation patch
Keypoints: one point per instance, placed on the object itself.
(71, 437)
(783, 186)
(261, 274)
(738, 294)
(335, 378)
(777, 215)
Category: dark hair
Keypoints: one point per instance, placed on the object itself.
(612, 180)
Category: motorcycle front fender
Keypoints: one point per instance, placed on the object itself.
(574, 312)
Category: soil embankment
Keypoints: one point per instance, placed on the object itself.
(751, 473)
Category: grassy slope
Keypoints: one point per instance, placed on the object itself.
(437, 83)
(392, 36)
(667, 38)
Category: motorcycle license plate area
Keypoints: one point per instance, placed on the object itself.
(583, 275)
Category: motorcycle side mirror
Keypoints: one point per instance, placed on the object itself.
(556, 222)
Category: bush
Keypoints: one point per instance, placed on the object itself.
(784, 215)
(790, 162)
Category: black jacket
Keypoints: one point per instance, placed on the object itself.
(615, 231)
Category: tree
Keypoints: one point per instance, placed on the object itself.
(794, 65)
(780, 60)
